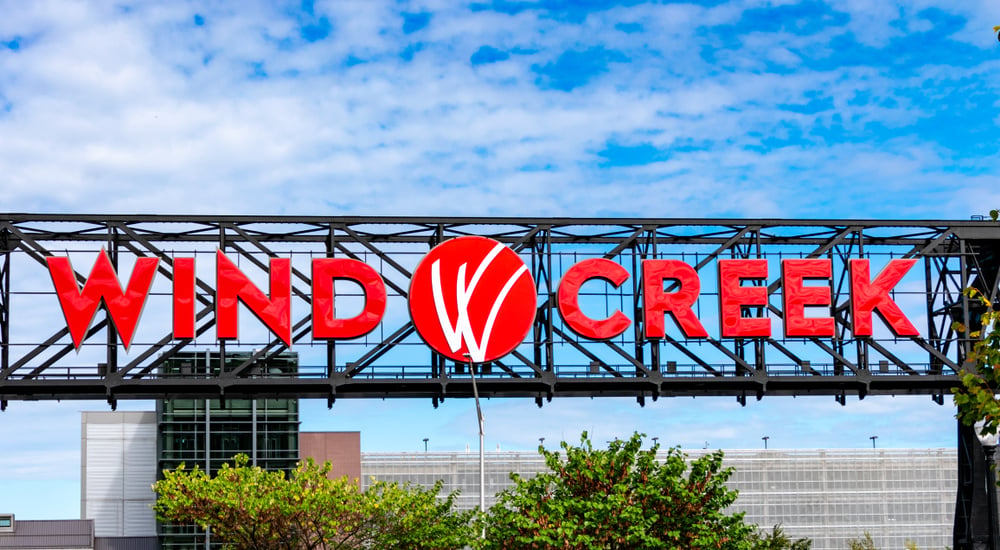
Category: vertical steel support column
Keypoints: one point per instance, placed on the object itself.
(550, 358)
(861, 342)
(654, 344)
(637, 314)
(112, 332)
(331, 347)
(208, 437)
(637, 256)
(835, 294)
(991, 495)
(438, 365)
(537, 346)
(541, 272)
(758, 345)
(5, 301)
(253, 430)
(962, 530)
(738, 344)
(966, 343)
(932, 335)
(972, 509)
(221, 342)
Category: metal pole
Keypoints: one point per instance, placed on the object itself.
(873, 438)
(765, 438)
(482, 433)
(991, 492)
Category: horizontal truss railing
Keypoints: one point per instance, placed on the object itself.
(40, 362)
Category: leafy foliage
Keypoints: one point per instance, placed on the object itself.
(616, 499)
(863, 543)
(976, 397)
(778, 540)
(249, 508)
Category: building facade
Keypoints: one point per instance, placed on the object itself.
(118, 465)
(209, 432)
(341, 449)
(122, 453)
(829, 496)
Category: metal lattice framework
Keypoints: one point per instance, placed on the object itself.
(39, 360)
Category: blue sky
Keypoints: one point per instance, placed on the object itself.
(841, 109)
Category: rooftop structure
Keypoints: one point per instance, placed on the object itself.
(56, 534)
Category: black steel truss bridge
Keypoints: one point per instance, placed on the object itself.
(39, 360)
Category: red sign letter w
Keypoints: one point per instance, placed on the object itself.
(124, 307)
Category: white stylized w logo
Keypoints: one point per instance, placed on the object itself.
(462, 329)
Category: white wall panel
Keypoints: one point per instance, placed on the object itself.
(105, 477)
(119, 467)
(139, 464)
(104, 431)
(107, 516)
(139, 519)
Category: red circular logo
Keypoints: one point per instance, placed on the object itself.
(472, 297)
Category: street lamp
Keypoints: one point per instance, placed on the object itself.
(541, 441)
(426, 439)
(482, 432)
(765, 438)
(873, 438)
(989, 443)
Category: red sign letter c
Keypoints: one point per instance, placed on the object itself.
(569, 299)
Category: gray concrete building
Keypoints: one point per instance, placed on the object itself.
(829, 496)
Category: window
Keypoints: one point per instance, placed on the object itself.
(6, 523)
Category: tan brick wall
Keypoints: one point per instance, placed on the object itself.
(342, 449)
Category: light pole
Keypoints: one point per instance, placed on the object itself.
(426, 439)
(989, 443)
(873, 438)
(541, 441)
(765, 438)
(482, 433)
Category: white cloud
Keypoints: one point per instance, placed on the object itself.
(149, 126)
(143, 111)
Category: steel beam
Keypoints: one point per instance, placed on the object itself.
(41, 363)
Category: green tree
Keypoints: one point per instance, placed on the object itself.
(617, 499)
(778, 540)
(863, 543)
(412, 517)
(248, 508)
(976, 398)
